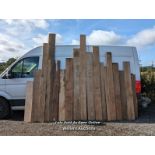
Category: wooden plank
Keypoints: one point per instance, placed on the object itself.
(134, 94)
(41, 105)
(55, 98)
(44, 75)
(36, 97)
(76, 52)
(103, 89)
(117, 91)
(58, 88)
(52, 72)
(82, 43)
(69, 90)
(51, 44)
(48, 93)
(76, 76)
(97, 84)
(123, 95)
(62, 96)
(28, 102)
(129, 91)
(110, 93)
(82, 96)
(90, 88)
(52, 89)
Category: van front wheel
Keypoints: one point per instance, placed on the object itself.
(4, 108)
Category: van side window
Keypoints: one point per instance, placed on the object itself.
(25, 68)
(17, 70)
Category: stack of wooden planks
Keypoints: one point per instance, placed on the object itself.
(86, 90)
(43, 105)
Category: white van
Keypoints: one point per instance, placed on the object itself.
(13, 80)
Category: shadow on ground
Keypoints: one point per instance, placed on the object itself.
(17, 115)
(145, 115)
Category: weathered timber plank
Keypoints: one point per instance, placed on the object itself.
(52, 95)
(110, 93)
(55, 99)
(123, 95)
(62, 96)
(51, 75)
(129, 91)
(90, 88)
(28, 102)
(97, 84)
(58, 86)
(69, 99)
(76, 52)
(51, 44)
(83, 101)
(36, 97)
(103, 89)
(117, 91)
(76, 76)
(41, 97)
(44, 76)
(82, 43)
(48, 92)
(134, 94)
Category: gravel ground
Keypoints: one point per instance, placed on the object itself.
(145, 125)
(47, 129)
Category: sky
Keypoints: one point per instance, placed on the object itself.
(19, 36)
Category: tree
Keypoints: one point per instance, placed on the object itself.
(6, 64)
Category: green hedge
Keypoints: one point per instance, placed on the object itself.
(148, 83)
